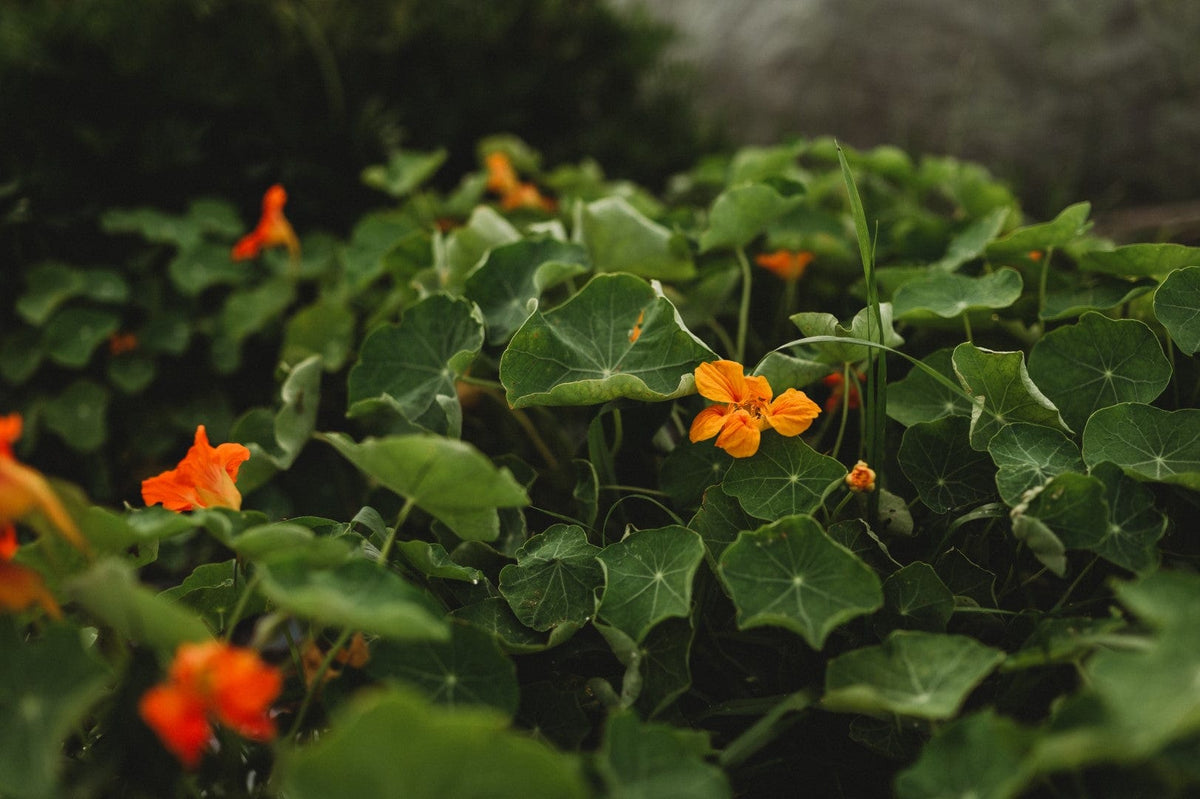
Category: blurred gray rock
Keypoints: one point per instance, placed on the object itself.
(1083, 99)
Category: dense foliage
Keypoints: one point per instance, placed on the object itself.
(488, 541)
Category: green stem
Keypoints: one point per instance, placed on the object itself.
(240, 607)
(391, 538)
(480, 381)
(744, 307)
(635, 490)
(967, 327)
(317, 679)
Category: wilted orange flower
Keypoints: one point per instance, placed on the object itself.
(211, 680)
(23, 490)
(203, 479)
(861, 478)
(837, 382)
(354, 654)
(502, 180)
(787, 264)
(273, 229)
(748, 409)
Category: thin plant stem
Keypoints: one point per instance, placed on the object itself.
(744, 307)
(391, 538)
(240, 607)
(967, 327)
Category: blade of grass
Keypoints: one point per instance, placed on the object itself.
(875, 398)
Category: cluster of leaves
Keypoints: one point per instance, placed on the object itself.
(479, 459)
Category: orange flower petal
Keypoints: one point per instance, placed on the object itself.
(22, 588)
(708, 423)
(243, 688)
(786, 264)
(502, 178)
(203, 479)
(8, 541)
(792, 412)
(722, 381)
(23, 490)
(10, 431)
(178, 717)
(740, 435)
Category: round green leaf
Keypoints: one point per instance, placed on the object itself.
(404, 171)
(648, 578)
(554, 579)
(1099, 294)
(918, 397)
(1028, 455)
(791, 574)
(719, 521)
(912, 673)
(1068, 226)
(620, 238)
(73, 334)
(204, 265)
(1177, 306)
(690, 469)
(1134, 524)
(1148, 443)
(325, 328)
(468, 669)
(949, 295)
(131, 372)
(916, 598)
(1002, 390)
(1098, 362)
(740, 214)
(420, 358)
(109, 591)
(78, 415)
(431, 471)
(618, 337)
(47, 687)
(512, 275)
(395, 743)
(355, 593)
(432, 560)
(1072, 505)
(657, 760)
(982, 755)
(973, 240)
(785, 477)
(939, 461)
(1141, 260)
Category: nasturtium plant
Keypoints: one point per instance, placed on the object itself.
(484, 495)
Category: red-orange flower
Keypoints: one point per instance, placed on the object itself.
(24, 490)
(787, 264)
(273, 229)
(837, 383)
(748, 410)
(120, 343)
(861, 478)
(211, 680)
(203, 479)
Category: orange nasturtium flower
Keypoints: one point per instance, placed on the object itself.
(211, 680)
(502, 180)
(203, 479)
(23, 490)
(748, 410)
(273, 229)
(787, 264)
(861, 478)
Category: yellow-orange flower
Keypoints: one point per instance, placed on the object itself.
(24, 490)
(861, 478)
(273, 229)
(203, 479)
(748, 410)
(787, 264)
(211, 680)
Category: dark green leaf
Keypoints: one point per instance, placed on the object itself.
(1027, 455)
(1148, 443)
(1175, 304)
(939, 461)
(785, 477)
(648, 578)
(620, 238)
(554, 579)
